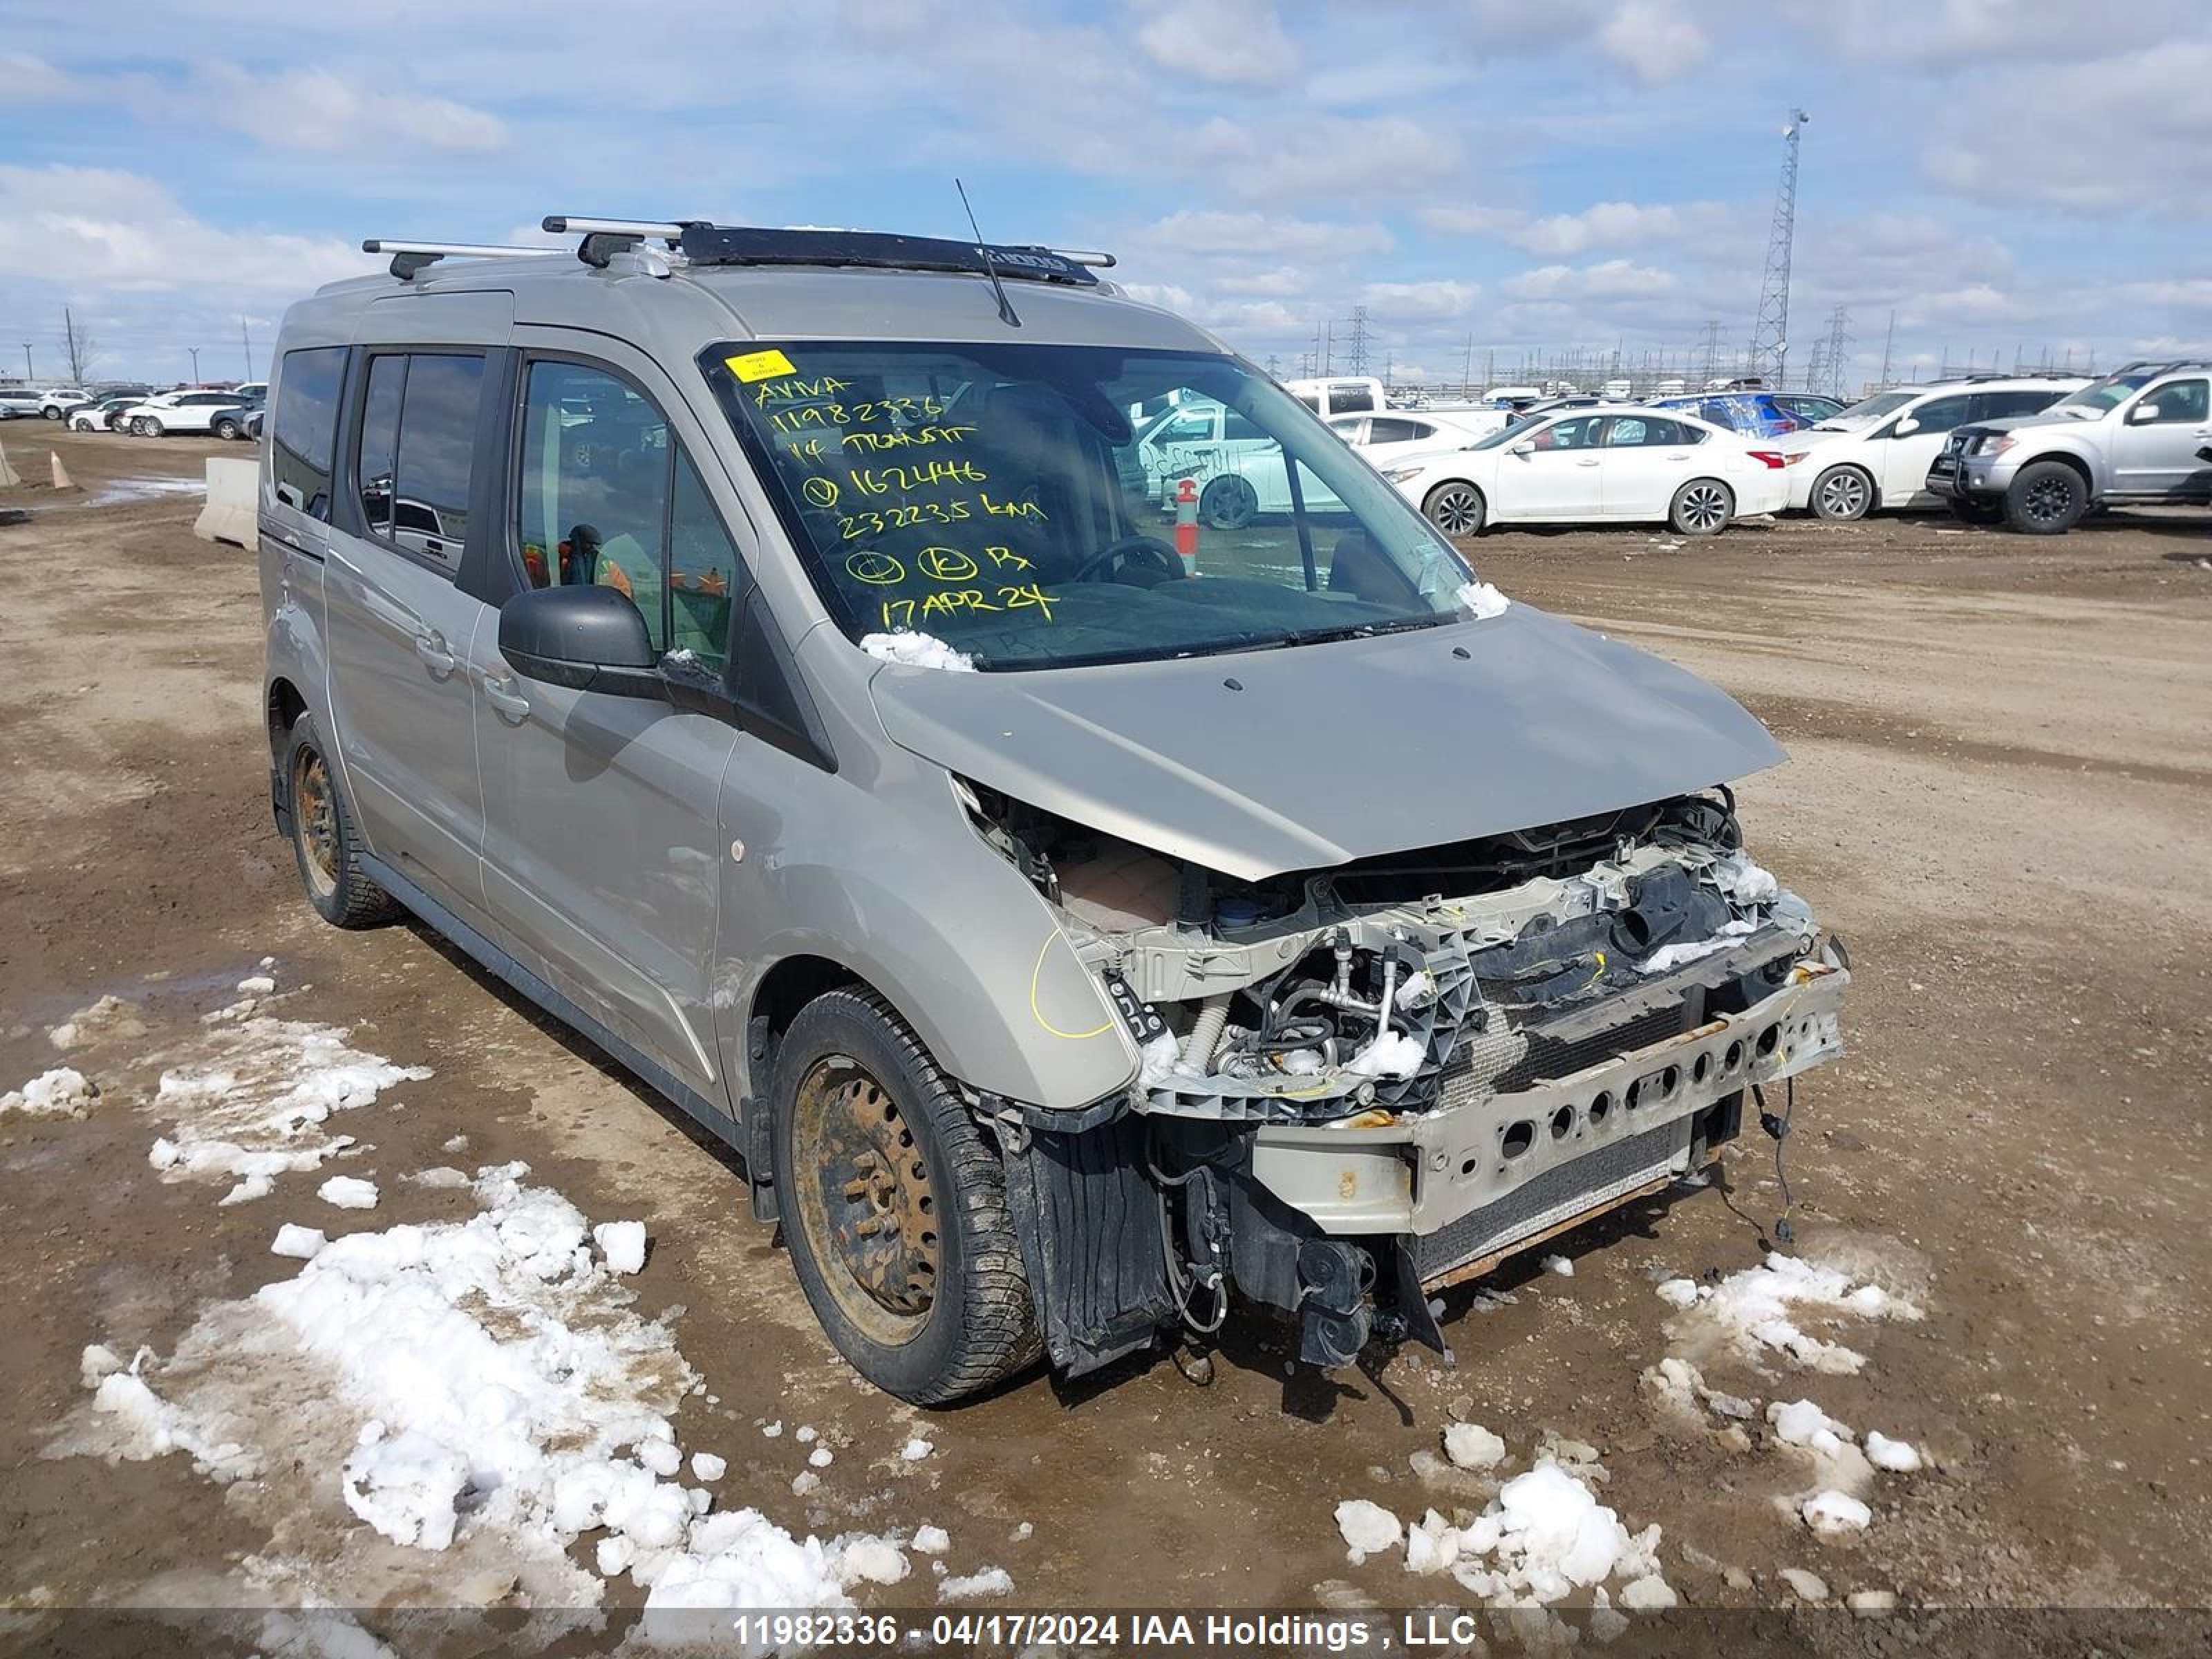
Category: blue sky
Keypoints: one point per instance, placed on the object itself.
(1524, 173)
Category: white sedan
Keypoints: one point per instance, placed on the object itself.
(219, 412)
(1579, 465)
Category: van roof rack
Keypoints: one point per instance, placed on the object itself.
(409, 258)
(705, 244)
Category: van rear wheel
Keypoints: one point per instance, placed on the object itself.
(894, 1206)
(324, 843)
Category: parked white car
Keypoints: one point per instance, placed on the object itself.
(1392, 436)
(57, 401)
(219, 412)
(1581, 466)
(104, 415)
(17, 401)
(1877, 453)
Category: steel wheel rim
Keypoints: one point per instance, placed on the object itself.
(2048, 500)
(1844, 495)
(867, 1200)
(1704, 508)
(1456, 513)
(315, 822)
(1234, 505)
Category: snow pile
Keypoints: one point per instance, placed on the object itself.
(249, 1100)
(1367, 1527)
(1559, 1265)
(1470, 1446)
(1754, 1310)
(1898, 1456)
(297, 1242)
(109, 1018)
(915, 1450)
(1480, 597)
(62, 1092)
(481, 1389)
(348, 1193)
(622, 1245)
(992, 1580)
(1801, 1423)
(705, 1466)
(931, 1541)
(918, 651)
(1835, 1514)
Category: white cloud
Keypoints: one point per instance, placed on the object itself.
(1209, 233)
(1427, 302)
(1603, 224)
(314, 109)
(1230, 42)
(1281, 282)
(1654, 39)
(100, 228)
(1609, 279)
(1326, 157)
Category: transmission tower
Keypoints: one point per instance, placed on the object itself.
(1355, 355)
(1833, 348)
(1770, 336)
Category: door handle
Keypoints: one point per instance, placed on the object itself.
(1591, 462)
(431, 647)
(513, 707)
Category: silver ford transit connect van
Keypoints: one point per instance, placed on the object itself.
(763, 650)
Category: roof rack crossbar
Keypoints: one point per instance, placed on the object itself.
(409, 257)
(571, 224)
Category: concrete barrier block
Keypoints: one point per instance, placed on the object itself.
(231, 514)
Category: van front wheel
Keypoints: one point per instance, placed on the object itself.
(894, 1206)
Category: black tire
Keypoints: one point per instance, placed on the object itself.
(1702, 506)
(229, 430)
(2047, 498)
(1228, 503)
(1975, 509)
(50, 412)
(1456, 508)
(324, 845)
(145, 426)
(1843, 494)
(847, 1058)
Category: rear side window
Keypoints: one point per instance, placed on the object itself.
(1941, 414)
(417, 457)
(306, 421)
(1380, 431)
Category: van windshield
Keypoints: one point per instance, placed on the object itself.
(2099, 397)
(1020, 502)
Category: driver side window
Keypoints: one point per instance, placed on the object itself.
(2181, 400)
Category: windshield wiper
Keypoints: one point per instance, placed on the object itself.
(1368, 630)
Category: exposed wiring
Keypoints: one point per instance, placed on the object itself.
(1779, 1128)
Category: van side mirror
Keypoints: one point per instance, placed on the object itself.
(587, 638)
(2145, 410)
(1526, 446)
(1907, 425)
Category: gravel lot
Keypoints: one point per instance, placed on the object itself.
(1999, 791)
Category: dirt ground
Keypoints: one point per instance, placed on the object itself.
(1998, 794)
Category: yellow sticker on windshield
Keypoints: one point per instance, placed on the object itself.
(760, 365)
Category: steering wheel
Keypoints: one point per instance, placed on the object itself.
(1157, 553)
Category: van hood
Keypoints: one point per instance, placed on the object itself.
(1332, 752)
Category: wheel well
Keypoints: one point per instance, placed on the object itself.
(783, 991)
(2064, 459)
(1473, 489)
(285, 705)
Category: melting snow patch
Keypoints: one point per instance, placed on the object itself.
(1549, 1535)
(1559, 1265)
(1801, 1423)
(1470, 1446)
(483, 1393)
(1480, 597)
(1742, 880)
(821, 1457)
(1834, 1514)
(109, 1018)
(1898, 1456)
(918, 651)
(62, 1092)
(915, 1450)
(1368, 1528)
(297, 1242)
(1752, 1310)
(705, 1466)
(992, 1580)
(1391, 1054)
(1161, 1057)
(250, 1096)
(257, 985)
(348, 1193)
(931, 1541)
(623, 1243)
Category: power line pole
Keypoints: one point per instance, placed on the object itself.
(1712, 347)
(1838, 342)
(247, 340)
(1770, 336)
(194, 351)
(1888, 340)
(27, 375)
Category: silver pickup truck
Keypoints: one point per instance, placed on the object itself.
(2130, 439)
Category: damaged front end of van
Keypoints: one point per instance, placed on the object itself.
(1362, 1078)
